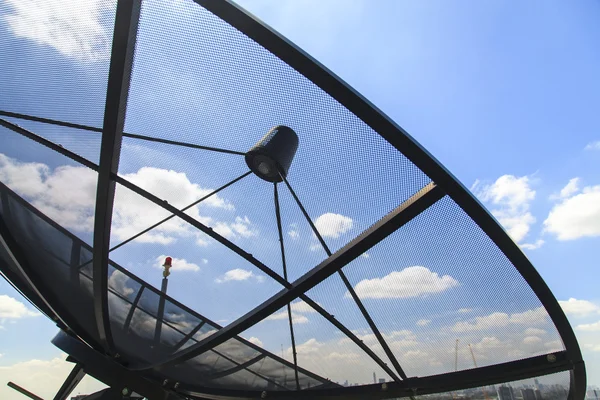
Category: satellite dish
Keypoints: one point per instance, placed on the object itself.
(335, 259)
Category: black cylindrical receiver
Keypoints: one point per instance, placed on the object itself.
(275, 151)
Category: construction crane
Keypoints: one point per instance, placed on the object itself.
(475, 363)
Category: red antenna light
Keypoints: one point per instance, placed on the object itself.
(167, 266)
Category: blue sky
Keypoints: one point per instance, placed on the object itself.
(503, 94)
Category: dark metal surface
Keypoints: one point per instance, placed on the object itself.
(53, 307)
(75, 376)
(119, 74)
(447, 382)
(23, 391)
(113, 374)
(272, 156)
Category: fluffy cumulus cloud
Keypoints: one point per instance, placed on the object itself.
(409, 282)
(576, 214)
(11, 308)
(43, 378)
(593, 327)
(579, 308)
(510, 198)
(178, 264)
(296, 318)
(593, 145)
(423, 322)
(533, 246)
(299, 311)
(534, 331)
(500, 319)
(73, 28)
(239, 274)
(333, 225)
(67, 194)
(256, 341)
(570, 189)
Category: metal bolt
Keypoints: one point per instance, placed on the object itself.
(384, 386)
(125, 391)
(263, 395)
(176, 385)
(551, 358)
(165, 382)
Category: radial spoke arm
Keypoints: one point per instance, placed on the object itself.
(182, 210)
(289, 307)
(125, 134)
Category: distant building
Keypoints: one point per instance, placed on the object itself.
(505, 393)
(374, 379)
(527, 394)
(346, 383)
(538, 394)
(381, 380)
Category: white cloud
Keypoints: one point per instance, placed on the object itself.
(533, 246)
(534, 331)
(71, 27)
(465, 310)
(570, 188)
(43, 377)
(241, 227)
(593, 327)
(365, 255)
(409, 282)
(579, 308)
(333, 225)
(511, 197)
(592, 347)
(296, 318)
(532, 340)
(315, 247)
(117, 281)
(11, 308)
(423, 322)
(177, 264)
(293, 231)
(593, 145)
(500, 319)
(67, 194)
(256, 341)
(239, 274)
(302, 307)
(576, 216)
